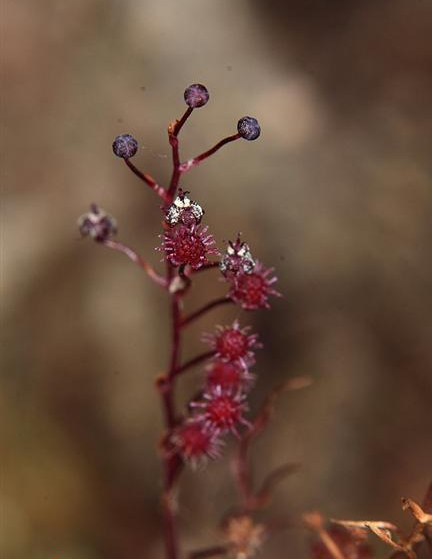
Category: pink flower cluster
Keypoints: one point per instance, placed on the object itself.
(222, 406)
(228, 379)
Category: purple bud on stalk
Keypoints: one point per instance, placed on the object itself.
(125, 146)
(248, 128)
(196, 96)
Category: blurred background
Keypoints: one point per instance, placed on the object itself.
(336, 195)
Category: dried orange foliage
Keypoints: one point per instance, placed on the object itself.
(391, 534)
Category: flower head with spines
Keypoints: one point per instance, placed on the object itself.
(233, 344)
(229, 376)
(252, 291)
(196, 442)
(222, 410)
(188, 245)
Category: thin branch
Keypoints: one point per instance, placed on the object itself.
(179, 125)
(173, 130)
(203, 310)
(116, 245)
(272, 481)
(192, 362)
(184, 167)
(160, 190)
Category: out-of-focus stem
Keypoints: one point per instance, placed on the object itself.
(203, 310)
(217, 551)
(160, 190)
(184, 167)
(116, 245)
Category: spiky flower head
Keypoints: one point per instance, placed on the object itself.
(97, 224)
(196, 442)
(183, 210)
(222, 410)
(244, 536)
(233, 344)
(252, 291)
(237, 258)
(188, 246)
(229, 376)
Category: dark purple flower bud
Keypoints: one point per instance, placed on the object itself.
(196, 96)
(97, 224)
(248, 128)
(125, 146)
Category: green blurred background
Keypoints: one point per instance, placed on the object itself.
(336, 195)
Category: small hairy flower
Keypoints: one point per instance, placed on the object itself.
(252, 291)
(196, 95)
(248, 128)
(229, 376)
(222, 410)
(97, 224)
(243, 536)
(125, 146)
(237, 258)
(184, 210)
(196, 442)
(188, 246)
(233, 344)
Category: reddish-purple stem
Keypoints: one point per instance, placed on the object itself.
(197, 160)
(183, 119)
(160, 190)
(173, 131)
(203, 310)
(116, 245)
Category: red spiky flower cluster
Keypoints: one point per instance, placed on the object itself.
(196, 434)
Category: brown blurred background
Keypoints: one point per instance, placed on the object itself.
(336, 195)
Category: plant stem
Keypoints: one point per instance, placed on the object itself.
(178, 126)
(203, 310)
(160, 190)
(166, 386)
(197, 160)
(116, 245)
(173, 131)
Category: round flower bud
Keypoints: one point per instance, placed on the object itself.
(196, 95)
(248, 128)
(97, 224)
(125, 146)
(184, 210)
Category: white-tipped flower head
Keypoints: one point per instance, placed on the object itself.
(184, 210)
